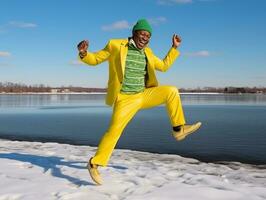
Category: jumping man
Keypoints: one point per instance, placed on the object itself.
(133, 86)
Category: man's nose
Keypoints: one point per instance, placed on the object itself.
(146, 38)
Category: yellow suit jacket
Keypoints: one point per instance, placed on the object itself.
(115, 53)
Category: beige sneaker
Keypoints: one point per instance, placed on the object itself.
(186, 130)
(95, 175)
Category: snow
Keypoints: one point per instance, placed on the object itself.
(34, 170)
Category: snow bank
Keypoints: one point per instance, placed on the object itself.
(33, 170)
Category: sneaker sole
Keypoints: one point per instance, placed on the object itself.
(92, 177)
(181, 137)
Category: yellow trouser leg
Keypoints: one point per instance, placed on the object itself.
(170, 96)
(127, 106)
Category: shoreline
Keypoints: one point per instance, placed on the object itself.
(103, 93)
(201, 158)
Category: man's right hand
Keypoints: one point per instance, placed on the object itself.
(83, 47)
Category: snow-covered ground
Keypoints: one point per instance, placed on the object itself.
(36, 171)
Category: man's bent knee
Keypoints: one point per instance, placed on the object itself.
(172, 90)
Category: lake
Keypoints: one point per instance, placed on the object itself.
(233, 129)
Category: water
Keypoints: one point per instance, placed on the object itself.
(233, 128)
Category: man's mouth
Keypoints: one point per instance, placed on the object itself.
(142, 43)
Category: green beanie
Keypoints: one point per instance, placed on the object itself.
(142, 24)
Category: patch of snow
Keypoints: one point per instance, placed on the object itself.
(34, 170)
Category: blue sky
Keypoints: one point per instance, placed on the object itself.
(223, 41)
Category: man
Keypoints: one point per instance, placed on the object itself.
(133, 86)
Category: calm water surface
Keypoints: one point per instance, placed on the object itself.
(234, 126)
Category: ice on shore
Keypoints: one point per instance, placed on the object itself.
(33, 170)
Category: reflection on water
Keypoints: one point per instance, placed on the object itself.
(34, 100)
(221, 99)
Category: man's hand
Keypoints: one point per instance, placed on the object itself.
(176, 41)
(82, 48)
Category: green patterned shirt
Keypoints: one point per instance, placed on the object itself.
(135, 70)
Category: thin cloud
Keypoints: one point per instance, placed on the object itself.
(16, 25)
(20, 24)
(157, 21)
(76, 62)
(207, 0)
(124, 24)
(202, 53)
(4, 54)
(119, 25)
(4, 64)
(172, 2)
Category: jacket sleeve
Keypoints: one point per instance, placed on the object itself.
(97, 57)
(164, 65)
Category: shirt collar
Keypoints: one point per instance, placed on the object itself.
(132, 43)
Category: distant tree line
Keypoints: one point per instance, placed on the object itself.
(226, 89)
(79, 89)
(202, 90)
(245, 90)
(9, 87)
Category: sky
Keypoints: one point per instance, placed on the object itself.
(223, 41)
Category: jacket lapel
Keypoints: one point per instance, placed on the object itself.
(149, 61)
(148, 56)
(123, 55)
(151, 80)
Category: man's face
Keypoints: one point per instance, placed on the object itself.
(141, 38)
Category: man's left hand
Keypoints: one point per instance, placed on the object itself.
(176, 41)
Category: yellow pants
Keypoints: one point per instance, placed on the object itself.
(127, 105)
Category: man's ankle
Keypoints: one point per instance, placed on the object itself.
(177, 128)
(92, 165)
